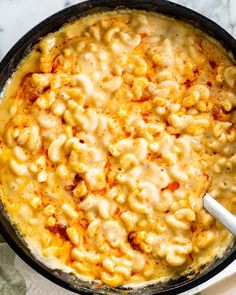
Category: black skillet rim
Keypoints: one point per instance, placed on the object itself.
(25, 44)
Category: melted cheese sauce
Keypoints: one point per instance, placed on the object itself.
(112, 129)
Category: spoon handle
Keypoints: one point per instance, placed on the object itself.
(220, 213)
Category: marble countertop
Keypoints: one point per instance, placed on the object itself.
(19, 16)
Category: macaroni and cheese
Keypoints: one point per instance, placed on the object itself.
(112, 129)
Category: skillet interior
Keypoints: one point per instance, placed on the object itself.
(7, 67)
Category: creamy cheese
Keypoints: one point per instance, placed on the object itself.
(112, 129)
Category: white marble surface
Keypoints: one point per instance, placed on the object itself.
(16, 18)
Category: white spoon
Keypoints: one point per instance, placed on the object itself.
(220, 213)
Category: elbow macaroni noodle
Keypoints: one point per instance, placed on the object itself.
(111, 133)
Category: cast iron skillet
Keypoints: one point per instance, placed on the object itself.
(8, 65)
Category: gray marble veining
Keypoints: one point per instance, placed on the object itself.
(220, 11)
